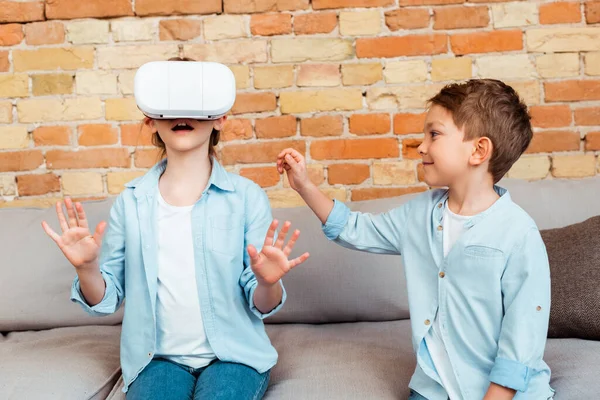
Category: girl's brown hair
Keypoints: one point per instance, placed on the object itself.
(215, 135)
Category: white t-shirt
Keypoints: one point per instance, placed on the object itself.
(180, 331)
(454, 227)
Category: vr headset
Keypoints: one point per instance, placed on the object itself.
(184, 89)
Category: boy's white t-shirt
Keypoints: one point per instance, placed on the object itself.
(179, 328)
(453, 228)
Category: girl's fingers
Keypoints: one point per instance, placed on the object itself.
(290, 245)
(299, 260)
(61, 217)
(282, 234)
(71, 213)
(50, 232)
(81, 216)
(99, 232)
(253, 253)
(271, 233)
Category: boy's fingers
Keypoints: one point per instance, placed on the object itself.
(282, 234)
(271, 233)
(253, 253)
(299, 260)
(99, 234)
(71, 213)
(50, 232)
(291, 243)
(61, 217)
(81, 216)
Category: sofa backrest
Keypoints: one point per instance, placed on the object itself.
(334, 285)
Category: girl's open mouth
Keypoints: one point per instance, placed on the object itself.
(182, 126)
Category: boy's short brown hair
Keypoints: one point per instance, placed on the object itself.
(489, 108)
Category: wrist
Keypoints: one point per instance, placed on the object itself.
(265, 285)
(306, 188)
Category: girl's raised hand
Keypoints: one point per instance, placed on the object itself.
(294, 164)
(76, 242)
(272, 263)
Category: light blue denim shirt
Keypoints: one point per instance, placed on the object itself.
(232, 213)
(491, 293)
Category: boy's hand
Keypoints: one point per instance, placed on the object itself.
(294, 164)
(77, 243)
(272, 263)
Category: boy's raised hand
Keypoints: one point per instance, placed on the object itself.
(76, 243)
(272, 263)
(294, 164)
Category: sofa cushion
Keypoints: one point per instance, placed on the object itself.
(574, 255)
(35, 277)
(65, 363)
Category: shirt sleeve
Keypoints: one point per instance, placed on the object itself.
(112, 266)
(373, 233)
(526, 299)
(258, 220)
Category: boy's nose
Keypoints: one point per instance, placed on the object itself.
(421, 149)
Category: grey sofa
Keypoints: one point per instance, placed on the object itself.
(343, 334)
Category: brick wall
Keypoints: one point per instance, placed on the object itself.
(343, 81)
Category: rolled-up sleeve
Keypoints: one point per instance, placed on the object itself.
(526, 298)
(112, 267)
(373, 233)
(258, 220)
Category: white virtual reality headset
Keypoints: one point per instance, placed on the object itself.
(184, 89)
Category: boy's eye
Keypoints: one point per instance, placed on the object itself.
(434, 133)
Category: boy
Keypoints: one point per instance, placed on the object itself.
(477, 270)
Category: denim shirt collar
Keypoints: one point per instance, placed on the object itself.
(145, 184)
(504, 199)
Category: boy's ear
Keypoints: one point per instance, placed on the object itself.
(482, 150)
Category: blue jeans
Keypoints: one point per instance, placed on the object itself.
(166, 380)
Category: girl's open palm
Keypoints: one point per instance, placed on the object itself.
(76, 243)
(272, 263)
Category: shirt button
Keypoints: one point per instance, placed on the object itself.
(539, 308)
(427, 322)
(149, 354)
(440, 205)
(442, 274)
(439, 228)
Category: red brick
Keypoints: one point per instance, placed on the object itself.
(97, 134)
(420, 173)
(397, 46)
(50, 32)
(174, 7)
(460, 17)
(38, 184)
(4, 61)
(574, 90)
(551, 141)
(93, 158)
(484, 42)
(258, 6)
(379, 193)
(265, 152)
(327, 125)
(367, 124)
(18, 11)
(308, 24)
(271, 24)
(345, 149)
(70, 9)
(592, 12)
(429, 2)
(179, 29)
(348, 174)
(52, 136)
(560, 13)
(410, 149)
(237, 129)
(276, 127)
(136, 135)
(587, 116)
(263, 176)
(550, 116)
(407, 18)
(11, 34)
(146, 158)
(405, 123)
(592, 141)
(254, 103)
(321, 4)
(20, 160)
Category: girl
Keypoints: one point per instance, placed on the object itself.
(182, 245)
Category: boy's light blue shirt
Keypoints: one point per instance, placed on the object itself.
(492, 291)
(232, 213)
